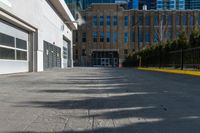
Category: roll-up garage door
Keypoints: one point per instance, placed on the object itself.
(13, 49)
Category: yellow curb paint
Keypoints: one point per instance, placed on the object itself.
(186, 72)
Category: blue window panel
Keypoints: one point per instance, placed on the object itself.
(101, 20)
(94, 21)
(108, 21)
(115, 37)
(184, 20)
(178, 20)
(140, 20)
(95, 35)
(125, 20)
(199, 20)
(147, 37)
(102, 37)
(191, 20)
(147, 20)
(126, 37)
(108, 37)
(132, 36)
(169, 20)
(115, 20)
(155, 20)
(140, 37)
(155, 37)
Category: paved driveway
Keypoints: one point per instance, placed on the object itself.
(99, 100)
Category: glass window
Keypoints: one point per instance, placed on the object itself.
(101, 20)
(191, 20)
(140, 37)
(94, 21)
(184, 20)
(83, 52)
(114, 37)
(7, 40)
(95, 36)
(125, 20)
(21, 44)
(84, 35)
(21, 55)
(177, 20)
(126, 37)
(156, 20)
(147, 20)
(140, 20)
(147, 37)
(115, 22)
(102, 37)
(163, 19)
(125, 51)
(155, 37)
(199, 20)
(169, 20)
(7, 53)
(108, 36)
(108, 21)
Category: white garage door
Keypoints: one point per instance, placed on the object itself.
(13, 49)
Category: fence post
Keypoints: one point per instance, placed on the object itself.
(182, 59)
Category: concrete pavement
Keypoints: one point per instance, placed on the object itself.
(99, 100)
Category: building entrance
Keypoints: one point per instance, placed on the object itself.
(105, 58)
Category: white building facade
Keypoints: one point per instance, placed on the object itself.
(35, 35)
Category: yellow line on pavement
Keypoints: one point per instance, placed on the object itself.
(186, 72)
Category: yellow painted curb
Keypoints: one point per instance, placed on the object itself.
(186, 72)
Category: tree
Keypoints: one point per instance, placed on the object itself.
(182, 42)
(194, 37)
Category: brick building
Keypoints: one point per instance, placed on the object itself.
(111, 32)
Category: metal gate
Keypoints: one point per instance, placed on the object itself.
(52, 56)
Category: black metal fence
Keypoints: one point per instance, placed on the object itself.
(180, 59)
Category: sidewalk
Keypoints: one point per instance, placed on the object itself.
(175, 71)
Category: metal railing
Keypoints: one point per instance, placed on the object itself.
(180, 59)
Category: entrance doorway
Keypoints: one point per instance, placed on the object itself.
(105, 58)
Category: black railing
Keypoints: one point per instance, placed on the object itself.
(180, 59)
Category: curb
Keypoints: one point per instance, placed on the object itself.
(174, 71)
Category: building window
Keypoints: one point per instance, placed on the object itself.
(140, 20)
(102, 37)
(147, 20)
(155, 20)
(21, 44)
(147, 37)
(16, 48)
(199, 20)
(94, 21)
(115, 20)
(84, 18)
(163, 19)
(114, 37)
(84, 37)
(21, 55)
(126, 37)
(140, 37)
(169, 20)
(101, 20)
(7, 40)
(6, 53)
(108, 36)
(184, 20)
(125, 20)
(178, 20)
(94, 36)
(155, 37)
(108, 21)
(191, 20)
